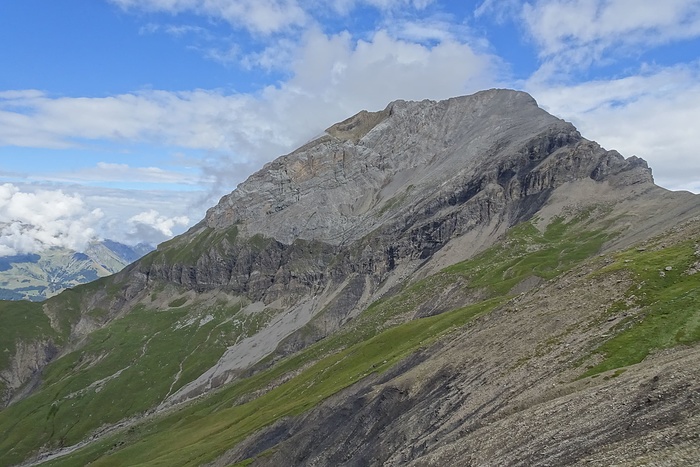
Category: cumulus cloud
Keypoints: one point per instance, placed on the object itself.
(651, 115)
(31, 222)
(152, 227)
(33, 218)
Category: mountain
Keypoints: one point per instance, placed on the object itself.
(38, 276)
(463, 282)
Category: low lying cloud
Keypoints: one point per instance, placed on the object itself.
(31, 222)
(152, 227)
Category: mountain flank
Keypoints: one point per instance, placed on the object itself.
(462, 282)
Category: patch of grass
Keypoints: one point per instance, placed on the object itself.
(98, 313)
(526, 252)
(178, 302)
(669, 303)
(259, 242)
(187, 249)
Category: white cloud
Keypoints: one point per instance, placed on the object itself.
(186, 119)
(346, 6)
(31, 222)
(652, 115)
(580, 32)
(257, 16)
(34, 216)
(423, 31)
(574, 35)
(500, 9)
(118, 172)
(20, 95)
(369, 74)
(265, 17)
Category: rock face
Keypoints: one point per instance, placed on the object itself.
(28, 359)
(436, 283)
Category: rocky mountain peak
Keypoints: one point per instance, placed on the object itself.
(373, 163)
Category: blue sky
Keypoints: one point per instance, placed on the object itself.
(139, 114)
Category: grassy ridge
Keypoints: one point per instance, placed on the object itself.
(528, 252)
(186, 250)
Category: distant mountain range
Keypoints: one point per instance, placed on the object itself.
(38, 276)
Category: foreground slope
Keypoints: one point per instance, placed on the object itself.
(409, 287)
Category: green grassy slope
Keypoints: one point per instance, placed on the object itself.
(21, 321)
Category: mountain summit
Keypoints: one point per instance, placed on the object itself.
(463, 282)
